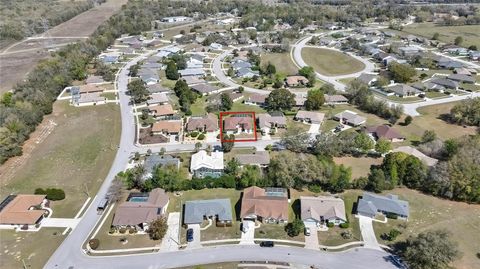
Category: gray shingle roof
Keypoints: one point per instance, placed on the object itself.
(371, 203)
(195, 211)
(157, 160)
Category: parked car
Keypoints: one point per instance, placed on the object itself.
(190, 235)
(267, 244)
(307, 231)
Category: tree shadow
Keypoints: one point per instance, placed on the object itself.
(297, 208)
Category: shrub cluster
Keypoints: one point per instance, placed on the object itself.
(52, 193)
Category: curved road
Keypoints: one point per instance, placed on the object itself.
(71, 255)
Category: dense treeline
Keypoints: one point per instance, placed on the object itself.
(466, 112)
(25, 18)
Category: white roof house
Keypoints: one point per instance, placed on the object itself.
(202, 159)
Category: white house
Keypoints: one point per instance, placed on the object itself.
(203, 164)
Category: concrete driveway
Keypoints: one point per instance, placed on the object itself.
(314, 128)
(311, 241)
(249, 235)
(170, 241)
(368, 234)
(196, 236)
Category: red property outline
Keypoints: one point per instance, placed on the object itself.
(236, 113)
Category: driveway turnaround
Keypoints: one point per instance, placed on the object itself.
(171, 239)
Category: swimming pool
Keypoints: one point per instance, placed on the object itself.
(138, 199)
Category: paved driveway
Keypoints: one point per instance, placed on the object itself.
(170, 241)
(314, 128)
(60, 222)
(311, 241)
(368, 234)
(196, 236)
(249, 235)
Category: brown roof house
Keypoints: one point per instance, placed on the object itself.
(385, 132)
(270, 122)
(335, 99)
(162, 111)
(322, 209)
(22, 209)
(259, 158)
(266, 205)
(310, 116)
(167, 128)
(256, 99)
(140, 209)
(295, 81)
(237, 124)
(207, 123)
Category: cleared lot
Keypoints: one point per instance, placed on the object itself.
(330, 62)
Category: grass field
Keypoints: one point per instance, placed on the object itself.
(360, 166)
(430, 120)
(331, 62)
(282, 62)
(470, 33)
(239, 106)
(73, 158)
(429, 213)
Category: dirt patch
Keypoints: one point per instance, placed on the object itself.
(146, 137)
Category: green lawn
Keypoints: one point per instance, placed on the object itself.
(291, 124)
(198, 108)
(72, 157)
(470, 87)
(331, 62)
(409, 99)
(276, 231)
(109, 95)
(34, 248)
(360, 166)
(282, 61)
(346, 81)
(428, 213)
(435, 95)
(239, 106)
(470, 33)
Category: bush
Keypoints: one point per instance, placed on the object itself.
(330, 224)
(346, 235)
(94, 243)
(294, 228)
(315, 188)
(392, 216)
(392, 235)
(132, 230)
(51, 193)
(201, 137)
(112, 230)
(194, 134)
(344, 225)
(122, 230)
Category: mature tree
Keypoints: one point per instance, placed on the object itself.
(431, 249)
(376, 180)
(167, 177)
(328, 88)
(227, 143)
(458, 40)
(158, 228)
(413, 172)
(138, 91)
(296, 140)
(280, 99)
(309, 73)
(270, 69)
(358, 92)
(171, 72)
(363, 142)
(339, 179)
(295, 227)
(233, 168)
(328, 144)
(466, 112)
(115, 191)
(230, 72)
(408, 120)
(133, 177)
(428, 136)
(402, 73)
(383, 146)
(226, 102)
(315, 99)
(198, 146)
(435, 36)
(251, 176)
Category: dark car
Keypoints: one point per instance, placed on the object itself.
(267, 244)
(189, 235)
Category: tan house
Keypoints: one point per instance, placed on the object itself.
(266, 205)
(207, 123)
(22, 209)
(310, 116)
(167, 127)
(162, 111)
(385, 132)
(140, 209)
(295, 81)
(322, 209)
